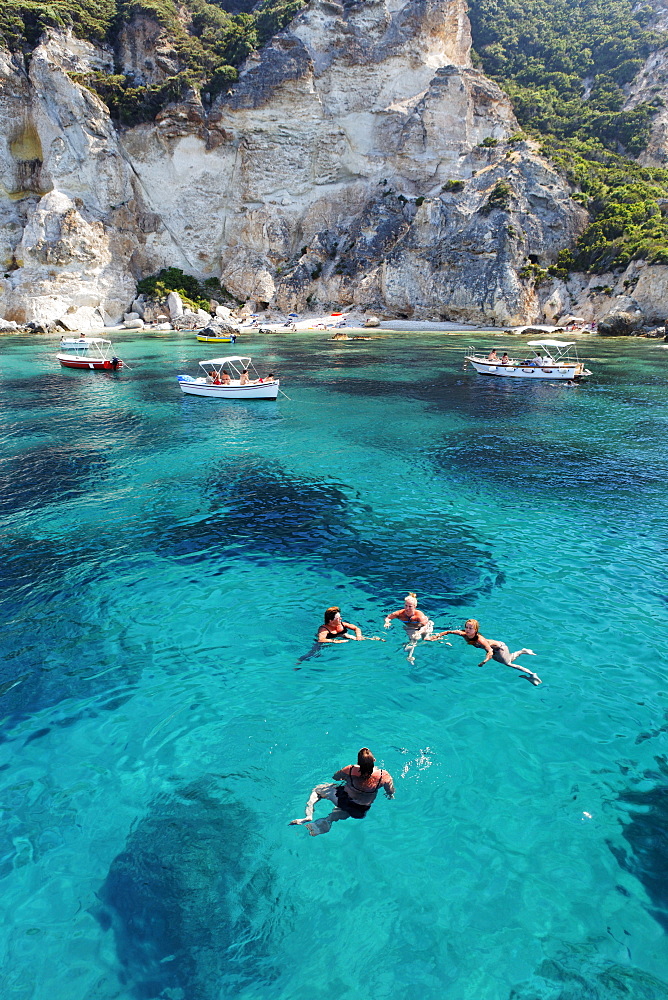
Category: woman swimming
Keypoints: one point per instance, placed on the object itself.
(334, 629)
(493, 648)
(362, 783)
(416, 623)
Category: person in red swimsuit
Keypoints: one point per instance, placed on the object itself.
(363, 781)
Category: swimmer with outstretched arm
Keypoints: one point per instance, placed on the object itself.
(494, 650)
(416, 623)
(334, 629)
(363, 781)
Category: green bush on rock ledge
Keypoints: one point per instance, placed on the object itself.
(196, 294)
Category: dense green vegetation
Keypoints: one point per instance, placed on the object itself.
(195, 294)
(563, 63)
(209, 42)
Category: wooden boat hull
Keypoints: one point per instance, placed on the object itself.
(195, 387)
(92, 364)
(573, 371)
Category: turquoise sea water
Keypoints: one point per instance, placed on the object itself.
(166, 560)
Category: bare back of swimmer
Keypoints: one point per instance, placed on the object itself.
(363, 781)
(493, 648)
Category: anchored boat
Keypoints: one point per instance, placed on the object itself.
(93, 353)
(229, 378)
(209, 337)
(549, 359)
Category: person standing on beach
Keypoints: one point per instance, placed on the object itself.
(363, 781)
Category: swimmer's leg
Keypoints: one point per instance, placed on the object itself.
(315, 648)
(502, 655)
(324, 825)
(327, 791)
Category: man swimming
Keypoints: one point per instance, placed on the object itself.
(362, 783)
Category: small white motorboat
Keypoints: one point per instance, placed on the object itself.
(94, 353)
(224, 379)
(557, 361)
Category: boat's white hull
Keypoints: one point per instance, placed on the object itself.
(560, 371)
(199, 387)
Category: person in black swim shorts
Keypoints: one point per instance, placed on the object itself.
(363, 781)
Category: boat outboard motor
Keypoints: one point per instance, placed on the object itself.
(115, 363)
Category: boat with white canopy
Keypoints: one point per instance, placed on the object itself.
(230, 378)
(548, 359)
(94, 353)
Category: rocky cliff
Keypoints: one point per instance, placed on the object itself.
(360, 158)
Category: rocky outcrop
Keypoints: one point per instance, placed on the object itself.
(360, 160)
(650, 85)
(73, 227)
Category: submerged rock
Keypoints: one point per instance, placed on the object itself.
(185, 899)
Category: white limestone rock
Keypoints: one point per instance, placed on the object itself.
(174, 305)
(322, 177)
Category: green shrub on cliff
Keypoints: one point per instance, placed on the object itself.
(23, 21)
(196, 294)
(563, 64)
(625, 201)
(210, 43)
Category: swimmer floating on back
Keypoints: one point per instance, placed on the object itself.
(493, 649)
(416, 623)
(363, 781)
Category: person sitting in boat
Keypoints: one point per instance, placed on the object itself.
(243, 378)
(538, 360)
(505, 360)
(213, 378)
(268, 378)
(333, 629)
(492, 356)
(494, 650)
(362, 783)
(224, 377)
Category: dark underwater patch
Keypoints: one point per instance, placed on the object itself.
(260, 509)
(46, 614)
(647, 835)
(532, 465)
(577, 974)
(445, 391)
(54, 390)
(185, 899)
(46, 475)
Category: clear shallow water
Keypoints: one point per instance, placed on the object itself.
(166, 560)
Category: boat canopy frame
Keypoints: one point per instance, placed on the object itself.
(236, 362)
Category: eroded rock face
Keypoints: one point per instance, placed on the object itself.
(71, 218)
(650, 84)
(324, 176)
